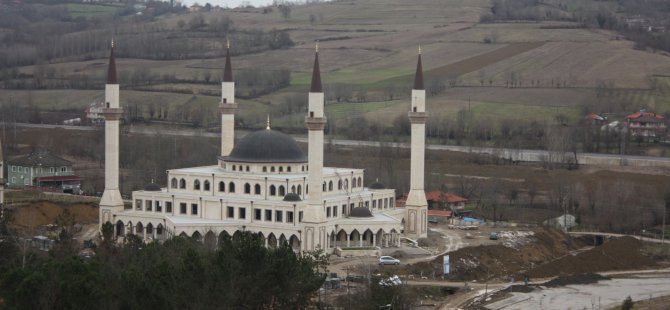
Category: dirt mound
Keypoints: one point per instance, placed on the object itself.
(500, 261)
(582, 278)
(34, 214)
(616, 254)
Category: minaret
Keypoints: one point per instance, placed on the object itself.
(315, 120)
(227, 106)
(2, 182)
(416, 205)
(111, 201)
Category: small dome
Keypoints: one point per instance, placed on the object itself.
(360, 212)
(267, 146)
(377, 185)
(292, 197)
(152, 187)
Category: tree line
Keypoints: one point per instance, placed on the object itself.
(181, 273)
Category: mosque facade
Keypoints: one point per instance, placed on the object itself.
(264, 183)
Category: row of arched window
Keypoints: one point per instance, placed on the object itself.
(265, 168)
(356, 182)
(206, 186)
(230, 187)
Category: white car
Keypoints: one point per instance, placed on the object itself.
(388, 260)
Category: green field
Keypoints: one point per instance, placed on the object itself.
(90, 10)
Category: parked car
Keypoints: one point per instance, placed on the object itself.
(356, 278)
(493, 236)
(388, 260)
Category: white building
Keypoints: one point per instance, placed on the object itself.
(266, 184)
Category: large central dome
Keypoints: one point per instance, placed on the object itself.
(267, 146)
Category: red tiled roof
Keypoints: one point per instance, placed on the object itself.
(595, 117)
(439, 213)
(59, 178)
(641, 114)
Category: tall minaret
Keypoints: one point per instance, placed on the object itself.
(417, 206)
(2, 182)
(111, 201)
(227, 106)
(315, 236)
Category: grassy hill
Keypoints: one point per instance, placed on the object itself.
(500, 71)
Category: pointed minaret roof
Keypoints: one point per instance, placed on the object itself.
(111, 71)
(316, 73)
(228, 69)
(418, 76)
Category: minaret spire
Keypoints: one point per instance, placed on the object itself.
(228, 69)
(267, 127)
(418, 76)
(316, 73)
(111, 70)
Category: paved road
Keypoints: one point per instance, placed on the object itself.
(595, 233)
(604, 295)
(514, 154)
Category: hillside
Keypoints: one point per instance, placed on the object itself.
(500, 71)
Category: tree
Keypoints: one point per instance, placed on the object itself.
(285, 11)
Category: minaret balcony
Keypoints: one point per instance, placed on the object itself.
(112, 114)
(315, 123)
(417, 117)
(227, 108)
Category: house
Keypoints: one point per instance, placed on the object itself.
(647, 126)
(42, 169)
(594, 119)
(439, 201)
(94, 113)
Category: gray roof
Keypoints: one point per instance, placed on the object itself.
(292, 197)
(360, 212)
(44, 159)
(152, 187)
(267, 146)
(377, 185)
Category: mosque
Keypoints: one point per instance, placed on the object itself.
(265, 184)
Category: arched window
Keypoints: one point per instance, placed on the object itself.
(346, 183)
(272, 169)
(247, 168)
(173, 183)
(196, 185)
(330, 186)
(339, 184)
(302, 168)
(273, 190)
(222, 186)
(299, 190)
(247, 188)
(293, 189)
(324, 186)
(282, 190)
(182, 183)
(257, 189)
(288, 169)
(306, 189)
(206, 185)
(281, 169)
(234, 167)
(231, 187)
(265, 169)
(360, 182)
